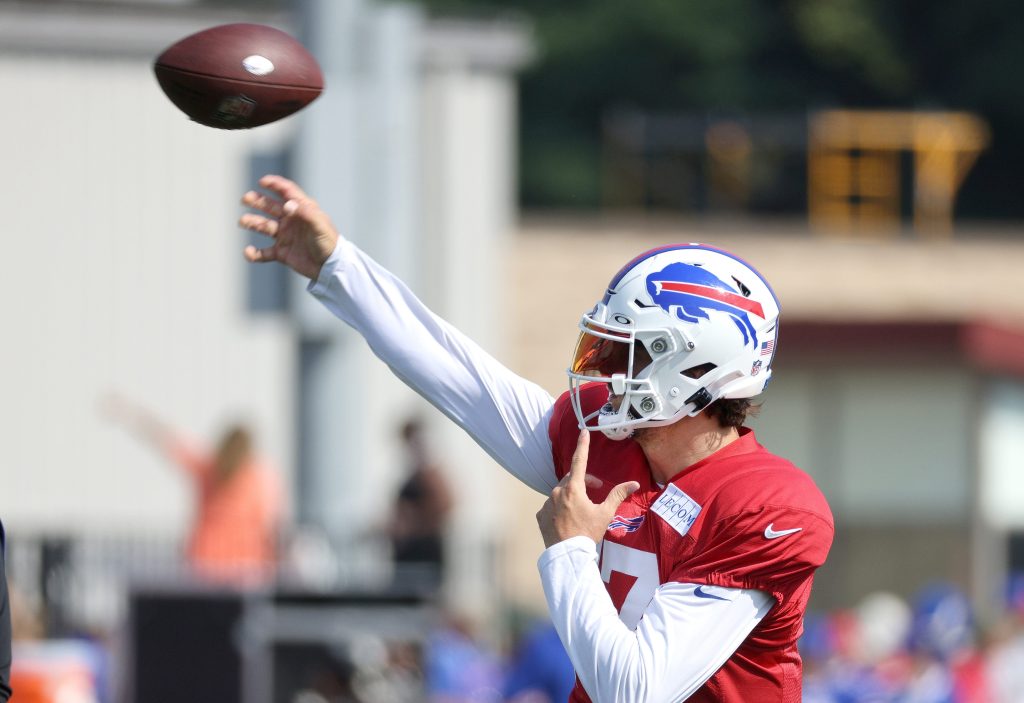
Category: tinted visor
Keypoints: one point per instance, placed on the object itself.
(603, 357)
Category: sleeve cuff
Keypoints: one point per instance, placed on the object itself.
(335, 262)
(573, 547)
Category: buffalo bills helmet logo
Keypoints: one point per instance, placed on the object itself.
(689, 292)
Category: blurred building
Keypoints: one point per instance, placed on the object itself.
(130, 276)
(899, 383)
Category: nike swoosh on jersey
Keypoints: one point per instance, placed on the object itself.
(701, 593)
(771, 533)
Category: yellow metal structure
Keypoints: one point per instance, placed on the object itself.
(854, 167)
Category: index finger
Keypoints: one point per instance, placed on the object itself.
(264, 203)
(578, 469)
(284, 188)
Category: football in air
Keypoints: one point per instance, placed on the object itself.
(237, 76)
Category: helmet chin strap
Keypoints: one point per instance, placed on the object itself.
(607, 415)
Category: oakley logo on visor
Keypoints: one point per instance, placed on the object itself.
(688, 292)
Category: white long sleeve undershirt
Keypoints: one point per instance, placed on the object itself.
(506, 414)
(682, 639)
(684, 636)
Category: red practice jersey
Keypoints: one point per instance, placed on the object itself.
(740, 518)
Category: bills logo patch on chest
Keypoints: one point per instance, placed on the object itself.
(629, 524)
(676, 508)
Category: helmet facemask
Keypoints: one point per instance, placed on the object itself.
(629, 362)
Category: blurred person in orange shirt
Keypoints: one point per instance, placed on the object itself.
(235, 531)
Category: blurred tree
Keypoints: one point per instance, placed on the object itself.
(850, 36)
(759, 55)
(966, 55)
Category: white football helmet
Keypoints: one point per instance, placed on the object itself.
(678, 328)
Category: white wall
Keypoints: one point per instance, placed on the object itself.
(122, 271)
(1001, 442)
(887, 444)
(125, 274)
(468, 142)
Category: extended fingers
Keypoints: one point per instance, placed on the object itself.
(264, 203)
(258, 223)
(259, 256)
(284, 188)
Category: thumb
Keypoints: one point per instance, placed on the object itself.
(620, 493)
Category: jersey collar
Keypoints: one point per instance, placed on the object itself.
(746, 443)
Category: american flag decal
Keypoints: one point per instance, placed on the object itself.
(767, 347)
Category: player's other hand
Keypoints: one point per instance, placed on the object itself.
(303, 236)
(569, 512)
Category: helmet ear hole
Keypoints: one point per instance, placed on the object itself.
(641, 358)
(698, 371)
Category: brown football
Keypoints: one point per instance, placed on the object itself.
(236, 76)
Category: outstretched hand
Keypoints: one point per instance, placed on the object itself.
(136, 418)
(569, 512)
(303, 234)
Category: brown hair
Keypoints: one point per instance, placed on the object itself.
(233, 451)
(732, 412)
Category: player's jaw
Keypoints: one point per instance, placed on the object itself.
(649, 437)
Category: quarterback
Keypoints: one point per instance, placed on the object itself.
(679, 552)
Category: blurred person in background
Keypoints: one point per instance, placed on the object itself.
(539, 671)
(876, 665)
(886, 651)
(235, 529)
(458, 667)
(46, 669)
(709, 541)
(947, 664)
(420, 513)
(5, 624)
(819, 649)
(361, 669)
(1005, 655)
